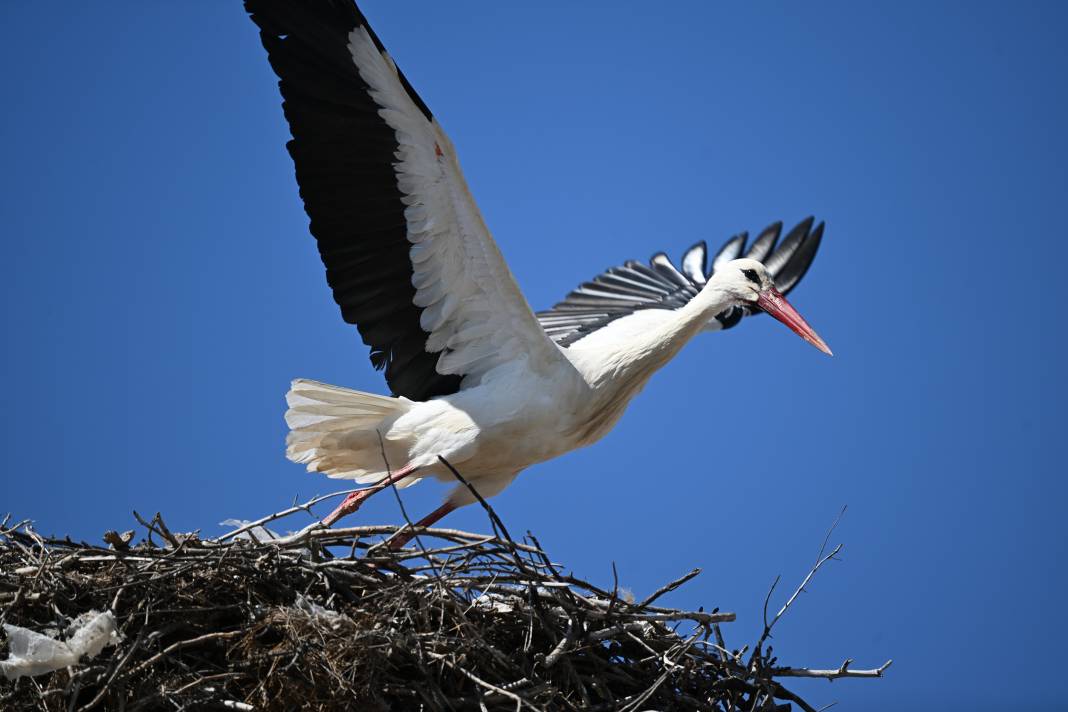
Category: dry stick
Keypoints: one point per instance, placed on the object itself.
(781, 693)
(767, 600)
(499, 527)
(827, 537)
(161, 529)
(305, 507)
(796, 593)
(540, 551)
(147, 526)
(615, 592)
(202, 680)
(721, 645)
(479, 681)
(404, 512)
(494, 519)
(820, 561)
(222, 635)
(165, 532)
(556, 653)
(668, 588)
(843, 671)
(664, 676)
(789, 602)
(371, 530)
(695, 616)
(556, 574)
(616, 630)
(118, 668)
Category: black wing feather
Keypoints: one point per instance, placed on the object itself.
(795, 268)
(731, 250)
(343, 152)
(623, 290)
(765, 242)
(777, 260)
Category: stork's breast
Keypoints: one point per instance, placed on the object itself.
(607, 405)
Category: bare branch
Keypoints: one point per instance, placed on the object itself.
(667, 588)
(820, 561)
(305, 507)
(843, 671)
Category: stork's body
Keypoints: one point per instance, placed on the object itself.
(520, 414)
(478, 378)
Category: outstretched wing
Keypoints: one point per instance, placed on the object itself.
(633, 286)
(406, 251)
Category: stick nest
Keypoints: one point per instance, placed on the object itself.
(332, 620)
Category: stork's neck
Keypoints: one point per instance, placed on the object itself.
(653, 337)
(616, 361)
(688, 321)
(632, 348)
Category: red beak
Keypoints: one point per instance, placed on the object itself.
(775, 304)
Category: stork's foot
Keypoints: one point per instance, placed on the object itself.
(348, 505)
(351, 503)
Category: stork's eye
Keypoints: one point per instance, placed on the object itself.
(752, 276)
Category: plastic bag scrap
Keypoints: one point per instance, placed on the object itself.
(495, 602)
(261, 534)
(316, 612)
(32, 653)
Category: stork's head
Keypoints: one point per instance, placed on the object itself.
(749, 282)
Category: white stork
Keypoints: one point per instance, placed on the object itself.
(476, 376)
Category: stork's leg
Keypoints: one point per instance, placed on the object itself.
(400, 540)
(351, 503)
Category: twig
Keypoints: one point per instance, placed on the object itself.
(114, 673)
(843, 671)
(667, 588)
(400, 503)
(797, 592)
(306, 507)
(497, 523)
(174, 647)
(165, 532)
(479, 681)
(820, 561)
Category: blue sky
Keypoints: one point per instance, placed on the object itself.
(160, 290)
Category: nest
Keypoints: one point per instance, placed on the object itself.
(333, 620)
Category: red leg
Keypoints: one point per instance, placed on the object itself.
(351, 503)
(400, 540)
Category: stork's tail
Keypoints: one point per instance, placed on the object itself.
(339, 431)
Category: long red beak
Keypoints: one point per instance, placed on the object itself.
(775, 304)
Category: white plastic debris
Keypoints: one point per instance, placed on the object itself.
(258, 533)
(313, 610)
(33, 653)
(497, 602)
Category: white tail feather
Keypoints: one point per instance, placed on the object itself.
(338, 431)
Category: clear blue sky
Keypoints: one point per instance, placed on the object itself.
(160, 290)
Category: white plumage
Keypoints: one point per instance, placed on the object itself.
(420, 275)
(471, 304)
